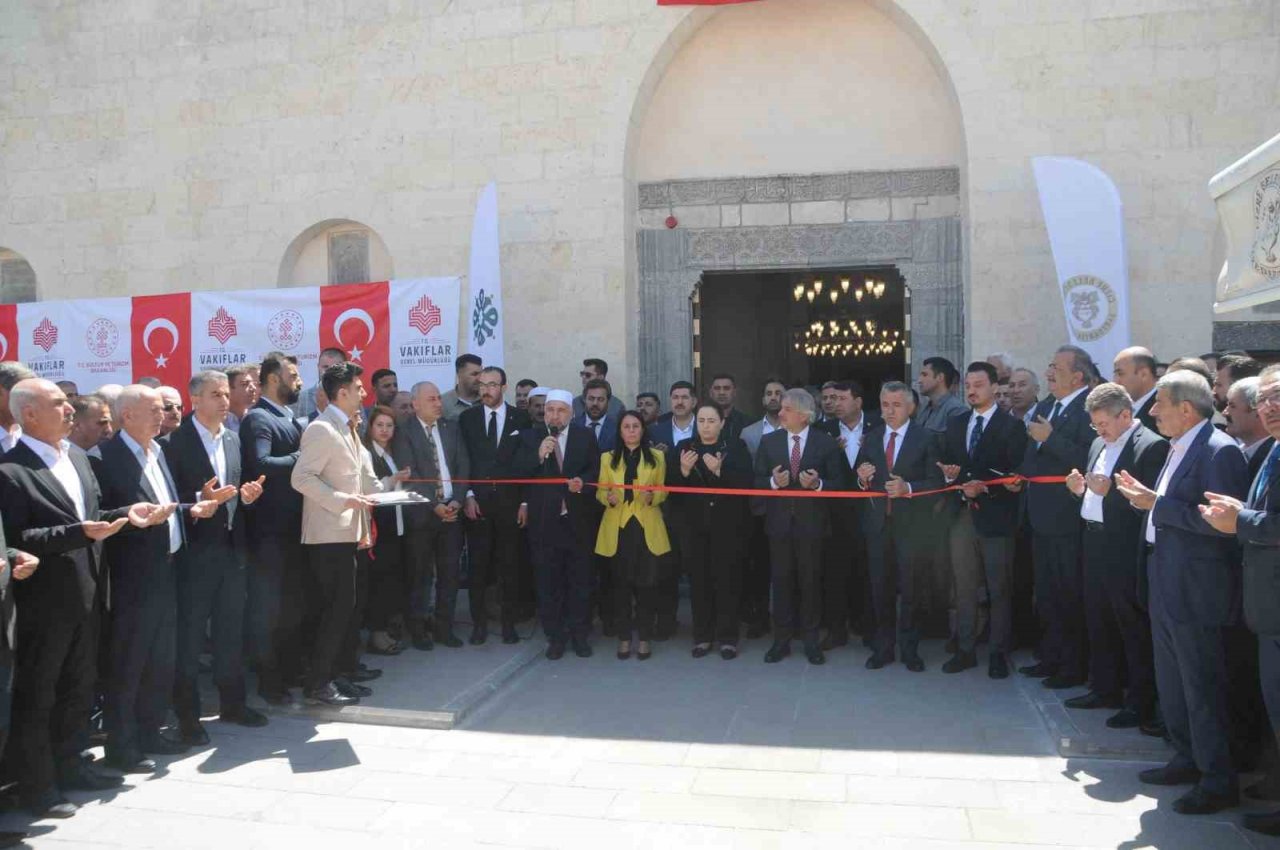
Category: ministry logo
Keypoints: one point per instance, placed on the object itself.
(1092, 307)
(45, 334)
(285, 329)
(424, 317)
(1266, 225)
(101, 338)
(222, 326)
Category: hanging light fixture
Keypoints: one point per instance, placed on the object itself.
(817, 286)
(857, 293)
(844, 284)
(810, 295)
(879, 289)
(798, 292)
(834, 296)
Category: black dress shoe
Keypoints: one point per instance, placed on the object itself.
(279, 698)
(953, 646)
(423, 643)
(244, 716)
(1153, 729)
(913, 662)
(1040, 670)
(346, 687)
(644, 654)
(582, 649)
(1093, 699)
(555, 651)
(1267, 789)
(879, 660)
(509, 635)
(1268, 823)
(777, 652)
(363, 674)
(624, 654)
(159, 745)
(1125, 718)
(328, 694)
(960, 662)
(702, 650)
(814, 654)
(1061, 682)
(1198, 801)
(479, 635)
(450, 640)
(998, 666)
(1169, 776)
(51, 804)
(835, 640)
(12, 839)
(85, 777)
(728, 653)
(192, 733)
(130, 764)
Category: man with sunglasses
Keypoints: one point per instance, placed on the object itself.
(172, 400)
(595, 369)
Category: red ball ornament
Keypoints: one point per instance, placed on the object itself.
(671, 222)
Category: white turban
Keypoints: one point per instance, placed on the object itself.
(542, 391)
(562, 396)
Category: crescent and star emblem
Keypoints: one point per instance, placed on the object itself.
(364, 318)
(155, 325)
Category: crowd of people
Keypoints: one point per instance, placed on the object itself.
(1122, 530)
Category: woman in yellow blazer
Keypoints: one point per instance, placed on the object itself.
(633, 535)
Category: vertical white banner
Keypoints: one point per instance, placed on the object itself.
(86, 341)
(423, 313)
(1085, 220)
(486, 316)
(242, 325)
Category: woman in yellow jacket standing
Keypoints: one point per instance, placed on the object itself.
(632, 532)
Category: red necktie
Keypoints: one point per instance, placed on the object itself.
(795, 459)
(888, 463)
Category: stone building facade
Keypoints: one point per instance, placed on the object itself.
(149, 147)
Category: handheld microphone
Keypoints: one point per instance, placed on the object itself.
(553, 430)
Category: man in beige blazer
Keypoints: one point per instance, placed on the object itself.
(334, 474)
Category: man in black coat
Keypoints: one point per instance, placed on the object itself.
(144, 606)
(14, 564)
(1116, 618)
(562, 521)
(899, 457)
(1135, 369)
(51, 508)
(491, 433)
(980, 445)
(270, 438)
(204, 459)
(797, 457)
(1059, 442)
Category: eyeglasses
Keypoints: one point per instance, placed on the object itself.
(586, 374)
(169, 408)
(1269, 399)
(489, 385)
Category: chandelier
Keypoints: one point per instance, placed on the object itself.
(852, 339)
(871, 288)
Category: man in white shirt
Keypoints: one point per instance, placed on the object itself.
(1134, 369)
(1245, 425)
(11, 372)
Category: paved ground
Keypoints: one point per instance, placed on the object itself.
(670, 753)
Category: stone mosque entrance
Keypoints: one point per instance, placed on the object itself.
(802, 327)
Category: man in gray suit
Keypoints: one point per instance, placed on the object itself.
(431, 448)
(1256, 524)
(756, 571)
(1193, 572)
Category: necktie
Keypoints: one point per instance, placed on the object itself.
(889, 458)
(1057, 409)
(492, 433)
(795, 458)
(975, 436)
(432, 465)
(595, 429)
(1261, 485)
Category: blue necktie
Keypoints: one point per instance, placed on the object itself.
(975, 436)
(1264, 477)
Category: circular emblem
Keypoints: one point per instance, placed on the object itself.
(1266, 225)
(1092, 306)
(102, 337)
(285, 329)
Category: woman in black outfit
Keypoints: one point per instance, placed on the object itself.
(713, 529)
(385, 563)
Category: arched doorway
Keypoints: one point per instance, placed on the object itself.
(335, 251)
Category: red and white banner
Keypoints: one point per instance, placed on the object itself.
(410, 326)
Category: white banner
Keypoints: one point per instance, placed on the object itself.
(487, 319)
(242, 325)
(1085, 220)
(86, 341)
(423, 314)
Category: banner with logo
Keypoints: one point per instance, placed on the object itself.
(486, 336)
(240, 326)
(424, 318)
(83, 341)
(1085, 220)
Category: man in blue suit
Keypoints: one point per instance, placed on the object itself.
(597, 416)
(1193, 573)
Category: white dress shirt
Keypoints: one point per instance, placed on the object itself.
(1091, 507)
(59, 463)
(445, 490)
(852, 438)
(897, 446)
(973, 423)
(678, 433)
(1137, 405)
(1252, 449)
(767, 428)
(804, 441)
(1177, 451)
(213, 449)
(149, 459)
(501, 410)
(9, 439)
(1065, 402)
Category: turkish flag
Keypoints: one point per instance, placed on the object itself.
(8, 331)
(354, 318)
(700, 2)
(158, 331)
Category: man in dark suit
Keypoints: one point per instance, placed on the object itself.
(1134, 369)
(724, 392)
(19, 565)
(666, 434)
(431, 448)
(978, 446)
(797, 457)
(491, 433)
(900, 457)
(1118, 627)
(142, 562)
(562, 522)
(1245, 425)
(1194, 579)
(269, 441)
(596, 416)
(204, 458)
(51, 508)
(1059, 442)
(1256, 523)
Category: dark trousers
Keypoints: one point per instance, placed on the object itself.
(563, 568)
(348, 658)
(1191, 674)
(843, 574)
(1026, 630)
(756, 579)
(387, 587)
(977, 561)
(279, 597)
(1251, 734)
(1119, 630)
(1060, 601)
(897, 561)
(796, 563)
(715, 586)
(53, 688)
(434, 554)
(633, 608)
(494, 544)
(212, 582)
(1269, 678)
(668, 587)
(333, 572)
(143, 654)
